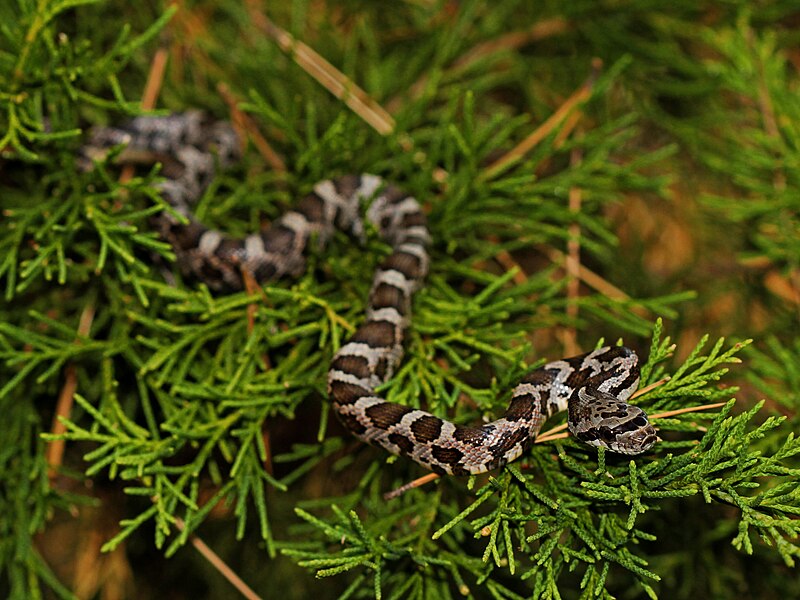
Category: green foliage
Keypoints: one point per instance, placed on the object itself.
(184, 395)
(577, 514)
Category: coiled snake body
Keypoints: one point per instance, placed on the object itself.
(592, 387)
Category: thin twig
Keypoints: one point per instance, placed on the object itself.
(257, 292)
(507, 262)
(573, 262)
(54, 455)
(336, 82)
(325, 73)
(253, 289)
(551, 433)
(410, 486)
(578, 97)
(219, 564)
(593, 280)
(155, 77)
(648, 388)
(570, 123)
(510, 41)
(690, 409)
(245, 125)
(767, 111)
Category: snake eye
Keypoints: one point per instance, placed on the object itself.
(608, 435)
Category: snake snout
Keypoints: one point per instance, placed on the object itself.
(636, 440)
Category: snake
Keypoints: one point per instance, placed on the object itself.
(592, 388)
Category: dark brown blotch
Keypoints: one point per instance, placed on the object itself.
(355, 365)
(382, 368)
(577, 378)
(521, 408)
(413, 219)
(278, 239)
(407, 264)
(614, 414)
(394, 194)
(343, 392)
(427, 428)
(375, 334)
(447, 456)
(472, 435)
(230, 249)
(438, 470)
(402, 442)
(510, 440)
(389, 296)
(265, 270)
(312, 207)
(351, 423)
(346, 185)
(589, 435)
(539, 377)
(186, 236)
(208, 269)
(386, 414)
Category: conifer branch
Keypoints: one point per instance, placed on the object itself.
(190, 405)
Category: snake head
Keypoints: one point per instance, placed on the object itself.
(600, 419)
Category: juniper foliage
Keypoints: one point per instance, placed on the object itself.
(184, 395)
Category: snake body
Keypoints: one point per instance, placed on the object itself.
(593, 387)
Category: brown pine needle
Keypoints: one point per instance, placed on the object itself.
(510, 41)
(577, 98)
(690, 409)
(155, 77)
(337, 83)
(650, 387)
(573, 262)
(589, 277)
(219, 564)
(508, 263)
(410, 486)
(333, 80)
(258, 294)
(570, 123)
(245, 125)
(54, 455)
(515, 39)
(552, 434)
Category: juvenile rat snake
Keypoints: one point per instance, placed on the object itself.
(593, 387)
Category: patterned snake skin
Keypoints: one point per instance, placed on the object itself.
(592, 387)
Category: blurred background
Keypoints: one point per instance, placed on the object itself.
(658, 144)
